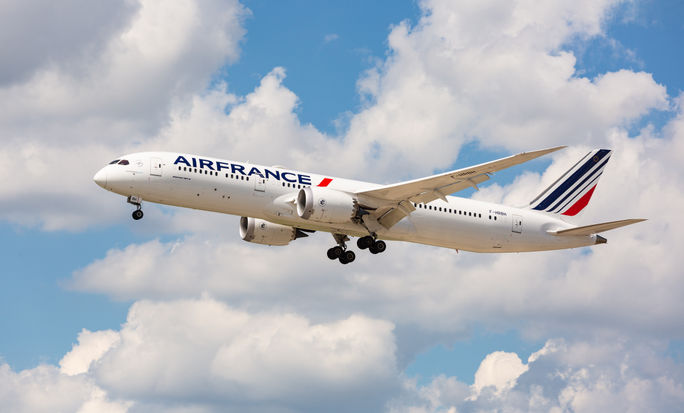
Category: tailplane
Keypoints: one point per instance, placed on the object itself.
(596, 228)
(572, 191)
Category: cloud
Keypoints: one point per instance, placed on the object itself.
(499, 370)
(73, 111)
(331, 37)
(205, 355)
(606, 374)
(68, 33)
(45, 389)
(91, 347)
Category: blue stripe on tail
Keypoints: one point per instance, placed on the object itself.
(576, 176)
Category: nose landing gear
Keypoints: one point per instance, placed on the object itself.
(137, 201)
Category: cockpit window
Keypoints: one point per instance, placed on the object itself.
(114, 161)
(123, 162)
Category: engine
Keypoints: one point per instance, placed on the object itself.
(264, 232)
(325, 205)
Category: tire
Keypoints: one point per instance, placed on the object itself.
(364, 242)
(380, 246)
(349, 256)
(335, 252)
(137, 214)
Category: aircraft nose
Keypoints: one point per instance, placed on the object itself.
(100, 177)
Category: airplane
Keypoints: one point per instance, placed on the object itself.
(278, 205)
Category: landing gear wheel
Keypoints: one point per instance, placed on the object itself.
(137, 214)
(364, 242)
(335, 252)
(347, 257)
(378, 247)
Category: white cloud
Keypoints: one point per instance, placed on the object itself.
(331, 37)
(69, 31)
(45, 389)
(187, 349)
(500, 370)
(605, 374)
(206, 356)
(115, 89)
(91, 347)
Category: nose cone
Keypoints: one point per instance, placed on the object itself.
(100, 177)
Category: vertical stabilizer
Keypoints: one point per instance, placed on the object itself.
(572, 191)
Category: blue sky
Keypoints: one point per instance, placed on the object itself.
(326, 48)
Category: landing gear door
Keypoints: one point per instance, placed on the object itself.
(155, 167)
(517, 224)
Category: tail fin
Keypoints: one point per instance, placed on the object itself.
(572, 191)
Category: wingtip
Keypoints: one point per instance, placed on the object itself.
(542, 152)
(557, 148)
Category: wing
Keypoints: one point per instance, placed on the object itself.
(391, 203)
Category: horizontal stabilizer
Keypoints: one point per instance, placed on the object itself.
(596, 228)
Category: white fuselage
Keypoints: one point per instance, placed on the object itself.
(268, 193)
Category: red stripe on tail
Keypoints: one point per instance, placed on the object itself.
(580, 204)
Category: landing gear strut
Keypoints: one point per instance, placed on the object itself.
(340, 251)
(137, 201)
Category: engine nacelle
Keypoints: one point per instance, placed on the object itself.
(260, 231)
(325, 205)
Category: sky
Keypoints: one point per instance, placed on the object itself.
(176, 313)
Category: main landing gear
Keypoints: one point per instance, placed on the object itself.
(375, 246)
(340, 252)
(137, 201)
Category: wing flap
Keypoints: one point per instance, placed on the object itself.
(596, 228)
